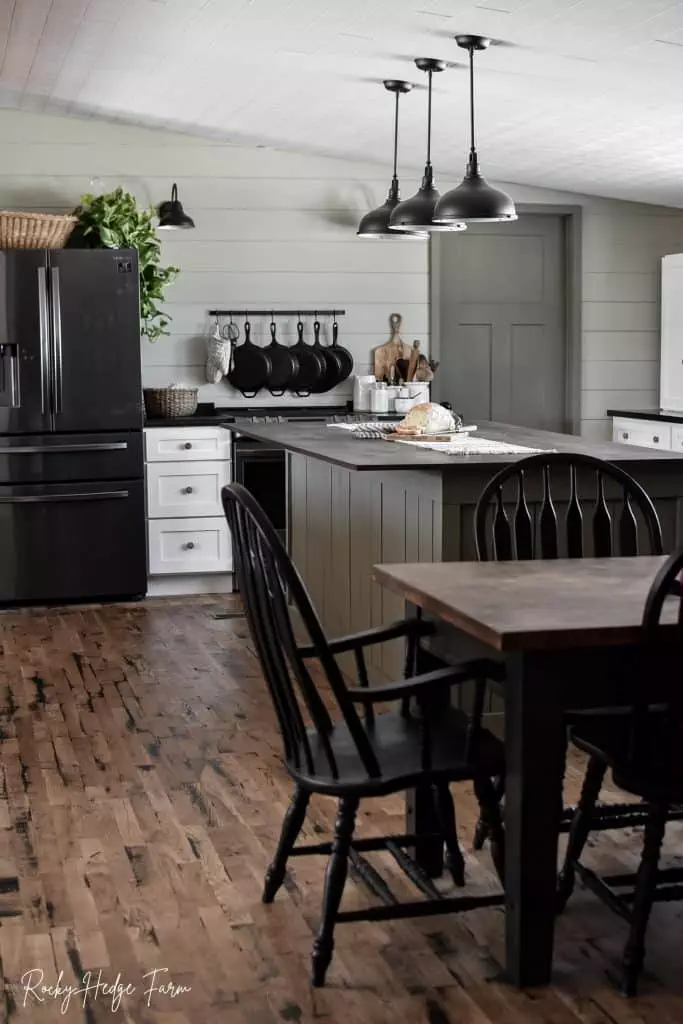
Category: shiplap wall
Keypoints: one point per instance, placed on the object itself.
(273, 229)
(276, 228)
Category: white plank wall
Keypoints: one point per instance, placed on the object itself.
(273, 229)
(276, 228)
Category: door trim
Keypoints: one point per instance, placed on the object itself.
(572, 223)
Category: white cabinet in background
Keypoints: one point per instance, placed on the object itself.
(671, 348)
(647, 433)
(189, 545)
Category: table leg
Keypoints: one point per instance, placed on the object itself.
(421, 820)
(535, 740)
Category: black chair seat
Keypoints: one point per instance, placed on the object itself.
(655, 776)
(397, 743)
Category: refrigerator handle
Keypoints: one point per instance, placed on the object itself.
(57, 336)
(44, 321)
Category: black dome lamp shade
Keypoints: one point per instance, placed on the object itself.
(172, 215)
(417, 213)
(474, 200)
(375, 224)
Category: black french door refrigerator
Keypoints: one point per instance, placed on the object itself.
(72, 513)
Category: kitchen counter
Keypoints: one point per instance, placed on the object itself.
(353, 503)
(340, 448)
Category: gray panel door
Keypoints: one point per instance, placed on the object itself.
(501, 296)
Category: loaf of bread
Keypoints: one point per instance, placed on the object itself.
(427, 418)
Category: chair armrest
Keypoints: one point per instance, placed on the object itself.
(422, 683)
(380, 635)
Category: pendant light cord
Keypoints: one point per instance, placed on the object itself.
(473, 163)
(472, 146)
(396, 138)
(429, 120)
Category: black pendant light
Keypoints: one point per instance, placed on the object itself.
(417, 213)
(172, 215)
(376, 223)
(474, 199)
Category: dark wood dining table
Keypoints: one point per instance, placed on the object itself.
(568, 633)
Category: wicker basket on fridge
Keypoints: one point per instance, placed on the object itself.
(167, 403)
(20, 230)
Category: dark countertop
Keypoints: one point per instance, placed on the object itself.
(663, 415)
(338, 447)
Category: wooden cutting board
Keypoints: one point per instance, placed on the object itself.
(386, 355)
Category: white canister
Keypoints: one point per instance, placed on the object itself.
(379, 398)
(361, 392)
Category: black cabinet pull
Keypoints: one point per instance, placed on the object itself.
(656, 439)
(189, 546)
(626, 435)
(187, 490)
(187, 445)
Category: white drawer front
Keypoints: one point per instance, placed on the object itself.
(189, 545)
(175, 444)
(646, 433)
(677, 439)
(186, 488)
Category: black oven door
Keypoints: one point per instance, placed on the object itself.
(262, 471)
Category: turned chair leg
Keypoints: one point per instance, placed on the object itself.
(489, 803)
(291, 826)
(580, 828)
(335, 879)
(445, 812)
(481, 833)
(646, 884)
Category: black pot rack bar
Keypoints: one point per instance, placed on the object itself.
(278, 312)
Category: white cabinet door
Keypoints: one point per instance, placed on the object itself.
(671, 362)
(186, 488)
(646, 433)
(189, 545)
(176, 444)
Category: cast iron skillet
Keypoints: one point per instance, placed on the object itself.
(251, 366)
(333, 364)
(342, 353)
(284, 364)
(311, 364)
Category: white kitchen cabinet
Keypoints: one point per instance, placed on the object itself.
(187, 444)
(189, 544)
(186, 488)
(671, 346)
(647, 433)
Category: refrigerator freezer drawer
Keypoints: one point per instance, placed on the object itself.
(53, 458)
(186, 489)
(189, 545)
(72, 542)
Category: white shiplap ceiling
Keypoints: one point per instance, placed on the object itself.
(585, 95)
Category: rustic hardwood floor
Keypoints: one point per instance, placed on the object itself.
(141, 794)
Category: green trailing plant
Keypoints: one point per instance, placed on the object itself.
(114, 221)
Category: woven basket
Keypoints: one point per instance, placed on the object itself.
(170, 402)
(34, 230)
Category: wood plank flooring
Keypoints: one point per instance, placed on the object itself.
(141, 794)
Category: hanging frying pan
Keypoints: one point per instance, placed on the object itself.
(333, 364)
(251, 366)
(284, 364)
(342, 353)
(311, 364)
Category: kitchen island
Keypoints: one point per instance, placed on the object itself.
(354, 503)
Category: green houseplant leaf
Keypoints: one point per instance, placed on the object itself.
(114, 221)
